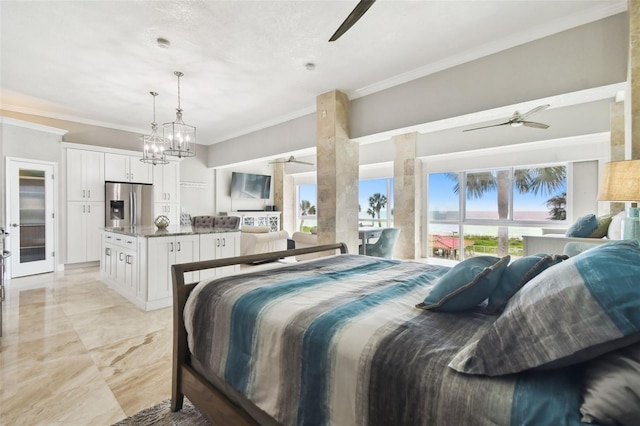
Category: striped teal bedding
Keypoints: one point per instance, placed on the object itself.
(338, 341)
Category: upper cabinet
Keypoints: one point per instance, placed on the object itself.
(85, 175)
(126, 168)
(166, 183)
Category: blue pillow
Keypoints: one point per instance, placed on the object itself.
(583, 227)
(584, 307)
(517, 274)
(466, 285)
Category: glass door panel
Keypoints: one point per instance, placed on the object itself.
(32, 215)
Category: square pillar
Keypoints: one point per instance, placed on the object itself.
(407, 196)
(337, 172)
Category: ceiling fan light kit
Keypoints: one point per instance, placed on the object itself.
(519, 120)
(289, 160)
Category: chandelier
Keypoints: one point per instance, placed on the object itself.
(180, 137)
(152, 144)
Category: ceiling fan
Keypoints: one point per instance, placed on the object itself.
(518, 120)
(289, 160)
(353, 17)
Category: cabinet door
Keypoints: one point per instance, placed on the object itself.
(131, 271)
(120, 262)
(161, 255)
(228, 245)
(171, 181)
(108, 258)
(75, 176)
(140, 172)
(188, 250)
(76, 224)
(172, 211)
(116, 167)
(94, 218)
(207, 252)
(94, 175)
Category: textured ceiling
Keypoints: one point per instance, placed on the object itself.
(244, 61)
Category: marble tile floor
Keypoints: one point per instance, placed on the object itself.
(74, 352)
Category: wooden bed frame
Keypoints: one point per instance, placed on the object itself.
(211, 402)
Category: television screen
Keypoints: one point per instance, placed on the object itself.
(247, 185)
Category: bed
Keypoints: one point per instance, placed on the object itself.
(342, 341)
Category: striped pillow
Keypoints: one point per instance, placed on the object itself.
(579, 309)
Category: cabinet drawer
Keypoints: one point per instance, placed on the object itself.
(124, 241)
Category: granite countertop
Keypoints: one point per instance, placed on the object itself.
(152, 231)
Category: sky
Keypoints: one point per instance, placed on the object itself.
(441, 196)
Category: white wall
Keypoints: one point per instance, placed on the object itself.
(224, 202)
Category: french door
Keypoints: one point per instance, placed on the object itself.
(30, 202)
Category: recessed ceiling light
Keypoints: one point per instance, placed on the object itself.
(163, 43)
(310, 66)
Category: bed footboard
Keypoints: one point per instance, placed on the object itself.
(212, 403)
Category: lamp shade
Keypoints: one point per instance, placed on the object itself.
(620, 181)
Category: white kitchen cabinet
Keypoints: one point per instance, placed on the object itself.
(162, 252)
(166, 183)
(84, 220)
(219, 246)
(170, 210)
(127, 168)
(85, 175)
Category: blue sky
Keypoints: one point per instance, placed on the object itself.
(441, 196)
(366, 189)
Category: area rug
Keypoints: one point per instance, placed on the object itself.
(161, 415)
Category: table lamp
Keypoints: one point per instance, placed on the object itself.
(621, 182)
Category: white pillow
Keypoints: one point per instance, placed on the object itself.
(615, 227)
(255, 229)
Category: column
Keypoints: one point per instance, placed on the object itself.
(632, 102)
(407, 197)
(278, 189)
(617, 143)
(337, 172)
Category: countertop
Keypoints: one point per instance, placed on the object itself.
(152, 231)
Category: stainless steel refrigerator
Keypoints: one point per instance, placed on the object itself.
(128, 204)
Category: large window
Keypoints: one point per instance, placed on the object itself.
(307, 202)
(375, 200)
(488, 211)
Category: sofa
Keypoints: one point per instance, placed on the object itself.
(304, 240)
(230, 222)
(258, 239)
(553, 241)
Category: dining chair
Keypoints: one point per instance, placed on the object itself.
(385, 244)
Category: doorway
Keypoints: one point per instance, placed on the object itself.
(30, 215)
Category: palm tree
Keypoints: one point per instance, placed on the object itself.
(306, 209)
(535, 180)
(376, 202)
(557, 204)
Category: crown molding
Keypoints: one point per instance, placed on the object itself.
(32, 126)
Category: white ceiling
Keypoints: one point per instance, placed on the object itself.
(244, 61)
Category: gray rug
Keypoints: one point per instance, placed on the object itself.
(162, 415)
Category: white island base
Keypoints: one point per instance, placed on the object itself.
(136, 262)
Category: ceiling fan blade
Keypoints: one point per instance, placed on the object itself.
(303, 162)
(533, 111)
(485, 127)
(534, 124)
(353, 17)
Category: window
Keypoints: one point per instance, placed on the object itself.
(307, 218)
(375, 200)
(499, 206)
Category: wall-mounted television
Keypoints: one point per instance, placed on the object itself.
(248, 185)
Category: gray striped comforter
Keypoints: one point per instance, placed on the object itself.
(338, 341)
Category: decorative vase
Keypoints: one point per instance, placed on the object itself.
(631, 225)
(162, 222)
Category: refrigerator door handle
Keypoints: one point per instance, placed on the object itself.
(134, 209)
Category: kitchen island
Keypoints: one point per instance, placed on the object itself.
(136, 262)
